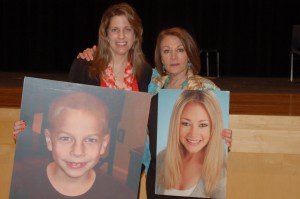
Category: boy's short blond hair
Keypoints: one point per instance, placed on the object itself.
(77, 101)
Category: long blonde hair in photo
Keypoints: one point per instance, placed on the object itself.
(214, 160)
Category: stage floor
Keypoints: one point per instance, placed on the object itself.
(255, 96)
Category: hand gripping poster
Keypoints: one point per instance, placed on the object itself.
(81, 141)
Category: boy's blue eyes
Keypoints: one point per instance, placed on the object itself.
(64, 138)
(70, 139)
(91, 140)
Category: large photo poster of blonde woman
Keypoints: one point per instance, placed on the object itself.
(81, 141)
(191, 153)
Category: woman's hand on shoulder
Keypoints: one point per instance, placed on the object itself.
(88, 54)
(227, 136)
(19, 127)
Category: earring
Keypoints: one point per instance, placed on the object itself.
(189, 64)
(163, 68)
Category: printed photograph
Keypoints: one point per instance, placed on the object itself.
(81, 141)
(191, 153)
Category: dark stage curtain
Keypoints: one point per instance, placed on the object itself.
(252, 36)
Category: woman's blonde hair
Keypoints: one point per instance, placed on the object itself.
(103, 53)
(214, 160)
(188, 43)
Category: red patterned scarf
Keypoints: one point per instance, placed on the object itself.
(109, 81)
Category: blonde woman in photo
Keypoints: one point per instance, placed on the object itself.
(194, 161)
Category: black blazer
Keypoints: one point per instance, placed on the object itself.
(79, 74)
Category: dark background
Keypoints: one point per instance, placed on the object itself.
(252, 36)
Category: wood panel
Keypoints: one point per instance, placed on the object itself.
(261, 175)
(265, 134)
(7, 148)
(7, 118)
(264, 161)
(7, 152)
(264, 103)
(240, 103)
(10, 97)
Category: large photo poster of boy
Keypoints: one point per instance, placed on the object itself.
(81, 141)
(191, 154)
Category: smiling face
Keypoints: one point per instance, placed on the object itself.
(77, 140)
(194, 128)
(173, 55)
(120, 35)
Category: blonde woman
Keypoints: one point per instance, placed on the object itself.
(194, 161)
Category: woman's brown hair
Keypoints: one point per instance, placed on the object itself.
(188, 43)
(103, 54)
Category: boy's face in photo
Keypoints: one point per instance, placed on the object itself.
(77, 140)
